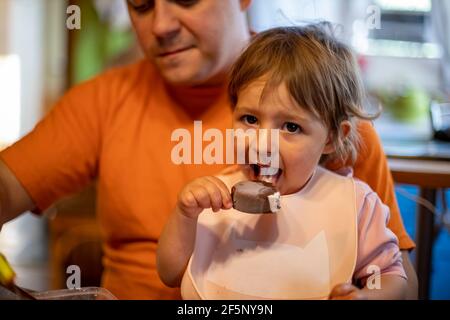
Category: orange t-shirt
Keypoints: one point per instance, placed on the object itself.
(117, 128)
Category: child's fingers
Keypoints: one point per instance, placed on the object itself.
(187, 199)
(202, 196)
(347, 291)
(225, 193)
(190, 200)
(188, 203)
(202, 193)
(355, 295)
(215, 195)
(342, 290)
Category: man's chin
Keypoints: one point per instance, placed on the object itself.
(181, 78)
(192, 74)
(179, 71)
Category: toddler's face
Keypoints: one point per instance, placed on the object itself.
(302, 137)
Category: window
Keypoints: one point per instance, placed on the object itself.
(408, 5)
(265, 14)
(403, 21)
(404, 30)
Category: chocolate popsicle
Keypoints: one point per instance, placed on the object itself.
(255, 197)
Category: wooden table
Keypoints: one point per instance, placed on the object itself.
(429, 175)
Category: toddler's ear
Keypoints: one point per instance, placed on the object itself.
(345, 129)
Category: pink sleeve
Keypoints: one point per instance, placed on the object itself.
(377, 245)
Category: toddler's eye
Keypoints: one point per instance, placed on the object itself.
(292, 127)
(248, 119)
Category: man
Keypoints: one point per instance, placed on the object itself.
(118, 127)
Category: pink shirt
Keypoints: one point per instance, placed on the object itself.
(377, 245)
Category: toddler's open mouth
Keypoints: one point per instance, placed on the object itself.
(265, 173)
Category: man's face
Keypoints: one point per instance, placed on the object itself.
(191, 42)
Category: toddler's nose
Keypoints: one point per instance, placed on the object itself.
(264, 148)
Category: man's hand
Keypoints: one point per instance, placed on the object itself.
(347, 291)
(203, 193)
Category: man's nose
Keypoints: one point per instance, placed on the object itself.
(165, 21)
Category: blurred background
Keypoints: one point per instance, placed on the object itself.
(403, 48)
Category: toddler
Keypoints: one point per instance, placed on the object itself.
(329, 239)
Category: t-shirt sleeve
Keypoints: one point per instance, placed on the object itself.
(60, 155)
(371, 166)
(378, 248)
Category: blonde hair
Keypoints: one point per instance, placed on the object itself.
(320, 73)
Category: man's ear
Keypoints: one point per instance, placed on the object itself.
(345, 129)
(245, 4)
